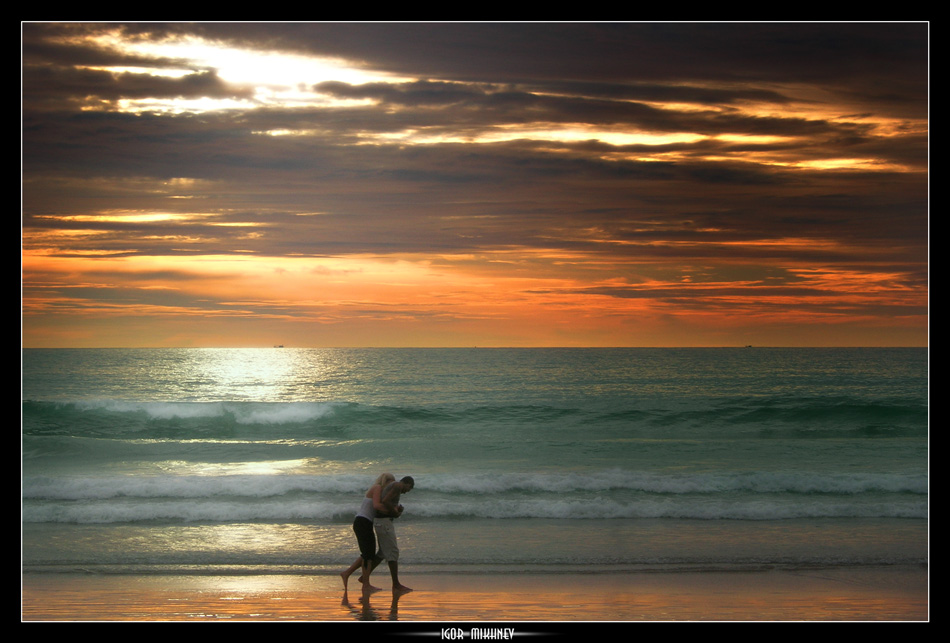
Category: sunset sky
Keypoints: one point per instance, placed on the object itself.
(515, 184)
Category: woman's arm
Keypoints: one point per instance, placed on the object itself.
(378, 505)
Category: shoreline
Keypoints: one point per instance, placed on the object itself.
(897, 593)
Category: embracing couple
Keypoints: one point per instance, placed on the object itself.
(379, 508)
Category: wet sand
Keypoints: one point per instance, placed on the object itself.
(450, 600)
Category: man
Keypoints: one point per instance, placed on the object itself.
(386, 532)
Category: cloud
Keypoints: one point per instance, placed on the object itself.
(581, 158)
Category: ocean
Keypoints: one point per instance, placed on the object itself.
(254, 461)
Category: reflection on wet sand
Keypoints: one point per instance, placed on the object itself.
(831, 595)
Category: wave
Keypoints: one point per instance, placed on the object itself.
(474, 485)
(760, 418)
(208, 511)
(236, 412)
(605, 494)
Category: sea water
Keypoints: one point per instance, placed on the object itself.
(209, 461)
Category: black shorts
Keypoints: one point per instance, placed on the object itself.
(366, 537)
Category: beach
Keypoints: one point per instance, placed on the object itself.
(551, 485)
(868, 594)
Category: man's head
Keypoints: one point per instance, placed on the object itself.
(408, 483)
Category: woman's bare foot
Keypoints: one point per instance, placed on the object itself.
(369, 589)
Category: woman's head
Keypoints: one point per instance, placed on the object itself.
(384, 479)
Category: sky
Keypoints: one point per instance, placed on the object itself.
(474, 184)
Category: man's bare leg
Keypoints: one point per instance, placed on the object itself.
(394, 572)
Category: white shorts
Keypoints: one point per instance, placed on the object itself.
(386, 537)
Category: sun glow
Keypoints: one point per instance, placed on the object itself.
(571, 133)
(243, 66)
(122, 217)
(258, 78)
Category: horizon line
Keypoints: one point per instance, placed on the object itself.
(451, 347)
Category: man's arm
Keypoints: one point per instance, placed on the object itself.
(390, 500)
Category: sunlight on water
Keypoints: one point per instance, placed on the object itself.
(270, 467)
(247, 373)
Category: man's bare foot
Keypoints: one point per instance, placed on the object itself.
(401, 589)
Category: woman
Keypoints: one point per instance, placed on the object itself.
(363, 528)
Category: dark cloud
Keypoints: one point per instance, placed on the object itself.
(47, 86)
(515, 52)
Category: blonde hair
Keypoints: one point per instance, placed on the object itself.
(383, 479)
